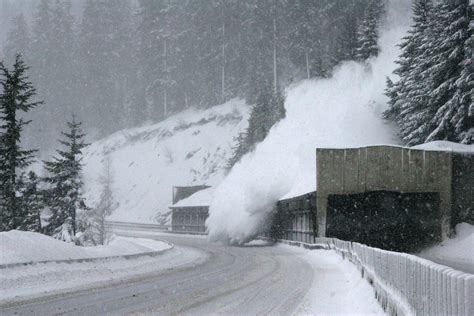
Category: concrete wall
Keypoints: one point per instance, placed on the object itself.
(358, 170)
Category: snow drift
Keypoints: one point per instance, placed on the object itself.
(454, 252)
(189, 148)
(343, 111)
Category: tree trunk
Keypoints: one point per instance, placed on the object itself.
(223, 63)
(275, 84)
(307, 66)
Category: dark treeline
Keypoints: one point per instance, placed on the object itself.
(124, 62)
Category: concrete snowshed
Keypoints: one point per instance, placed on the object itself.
(439, 183)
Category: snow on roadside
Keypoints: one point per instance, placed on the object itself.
(27, 282)
(337, 288)
(19, 247)
(456, 252)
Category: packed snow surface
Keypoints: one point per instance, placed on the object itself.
(20, 247)
(337, 288)
(189, 148)
(457, 252)
(342, 111)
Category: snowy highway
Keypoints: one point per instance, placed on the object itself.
(235, 280)
(250, 280)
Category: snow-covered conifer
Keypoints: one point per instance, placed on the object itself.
(16, 94)
(367, 32)
(63, 196)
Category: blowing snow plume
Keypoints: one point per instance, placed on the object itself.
(343, 111)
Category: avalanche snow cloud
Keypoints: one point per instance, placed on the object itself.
(343, 111)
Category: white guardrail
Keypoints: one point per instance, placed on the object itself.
(406, 284)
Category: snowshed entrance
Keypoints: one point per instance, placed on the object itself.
(385, 219)
(391, 188)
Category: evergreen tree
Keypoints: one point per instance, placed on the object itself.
(105, 53)
(408, 104)
(267, 111)
(18, 40)
(64, 194)
(432, 97)
(449, 77)
(15, 98)
(238, 151)
(97, 230)
(31, 200)
(41, 46)
(367, 33)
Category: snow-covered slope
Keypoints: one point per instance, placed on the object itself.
(189, 148)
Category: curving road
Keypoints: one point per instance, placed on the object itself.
(252, 280)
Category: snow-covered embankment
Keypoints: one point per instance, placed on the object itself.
(33, 265)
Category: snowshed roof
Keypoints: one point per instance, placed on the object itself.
(200, 198)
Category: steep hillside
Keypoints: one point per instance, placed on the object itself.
(189, 148)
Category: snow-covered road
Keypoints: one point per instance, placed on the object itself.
(250, 280)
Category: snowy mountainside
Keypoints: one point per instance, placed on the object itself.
(189, 148)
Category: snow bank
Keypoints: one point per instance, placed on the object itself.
(22, 247)
(443, 145)
(343, 111)
(22, 283)
(189, 148)
(457, 252)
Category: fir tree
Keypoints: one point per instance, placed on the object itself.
(450, 77)
(31, 199)
(408, 104)
(367, 32)
(238, 151)
(432, 97)
(97, 230)
(15, 98)
(18, 40)
(64, 195)
(268, 110)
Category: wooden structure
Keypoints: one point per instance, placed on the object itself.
(189, 214)
(294, 218)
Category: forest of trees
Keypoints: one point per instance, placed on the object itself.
(432, 98)
(122, 62)
(26, 200)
